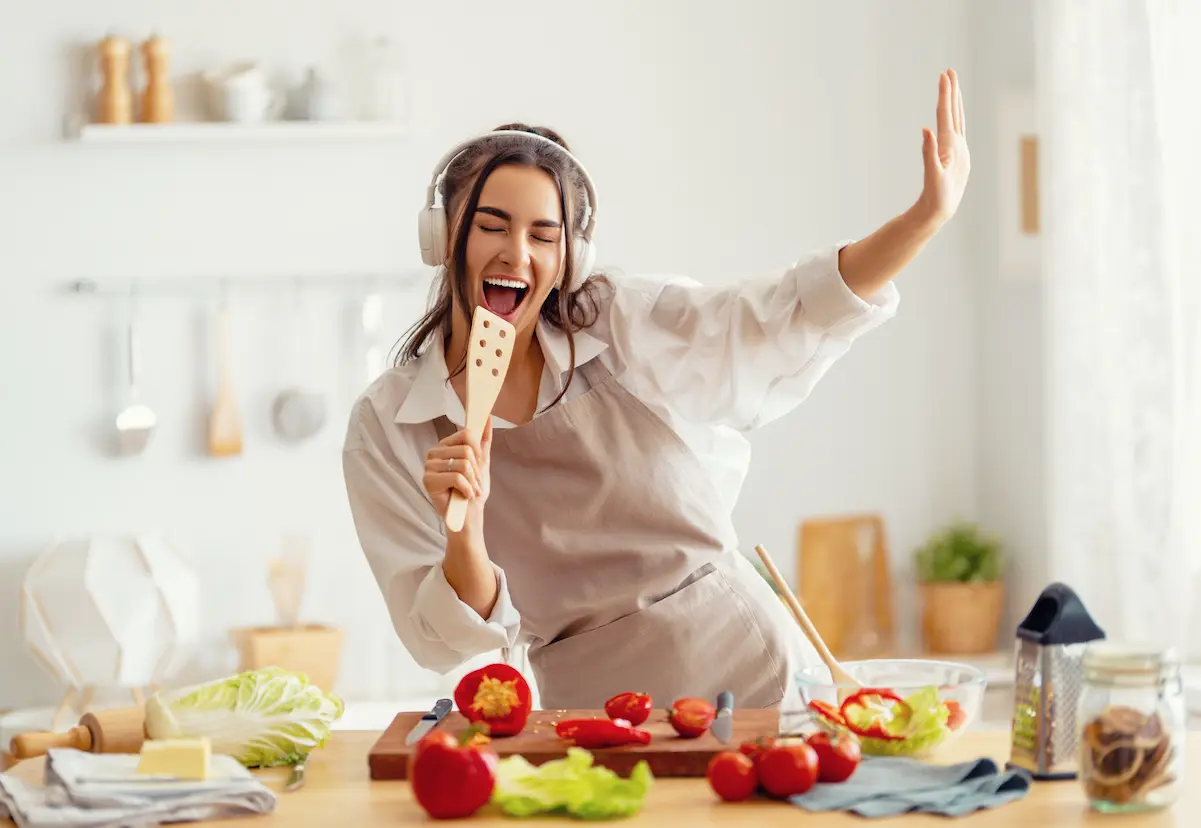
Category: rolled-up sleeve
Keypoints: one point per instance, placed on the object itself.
(404, 543)
(745, 354)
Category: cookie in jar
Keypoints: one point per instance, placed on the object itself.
(1132, 728)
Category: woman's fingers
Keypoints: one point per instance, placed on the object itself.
(946, 121)
(448, 481)
(462, 438)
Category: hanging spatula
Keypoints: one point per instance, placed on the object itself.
(488, 354)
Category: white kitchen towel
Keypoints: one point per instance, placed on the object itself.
(96, 790)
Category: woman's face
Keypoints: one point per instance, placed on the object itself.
(516, 244)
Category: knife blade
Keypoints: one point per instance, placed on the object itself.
(723, 724)
(295, 778)
(429, 721)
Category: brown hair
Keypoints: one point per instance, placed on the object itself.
(460, 191)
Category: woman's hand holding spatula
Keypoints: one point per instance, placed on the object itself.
(460, 464)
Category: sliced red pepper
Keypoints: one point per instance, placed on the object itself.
(828, 711)
(497, 695)
(597, 733)
(876, 729)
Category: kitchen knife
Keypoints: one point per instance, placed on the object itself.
(723, 725)
(429, 721)
(295, 778)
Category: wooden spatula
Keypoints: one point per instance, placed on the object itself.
(837, 673)
(488, 355)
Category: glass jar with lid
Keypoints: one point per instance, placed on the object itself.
(1131, 719)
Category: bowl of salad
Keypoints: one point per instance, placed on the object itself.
(904, 707)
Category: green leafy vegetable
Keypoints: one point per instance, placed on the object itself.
(572, 785)
(261, 717)
(923, 728)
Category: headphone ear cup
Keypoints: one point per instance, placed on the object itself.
(583, 258)
(431, 233)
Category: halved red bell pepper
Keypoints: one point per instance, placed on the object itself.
(876, 729)
(598, 733)
(497, 695)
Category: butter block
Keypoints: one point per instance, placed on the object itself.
(180, 758)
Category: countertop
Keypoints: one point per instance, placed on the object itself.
(338, 791)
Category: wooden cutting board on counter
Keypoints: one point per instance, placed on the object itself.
(668, 754)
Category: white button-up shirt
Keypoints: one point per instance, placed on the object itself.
(713, 361)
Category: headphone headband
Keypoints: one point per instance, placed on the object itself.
(454, 152)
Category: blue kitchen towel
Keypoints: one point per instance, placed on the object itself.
(887, 786)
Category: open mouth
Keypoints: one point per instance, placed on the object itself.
(503, 296)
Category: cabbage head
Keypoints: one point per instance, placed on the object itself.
(262, 718)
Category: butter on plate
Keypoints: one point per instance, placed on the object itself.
(178, 758)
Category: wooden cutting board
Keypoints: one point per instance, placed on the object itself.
(668, 754)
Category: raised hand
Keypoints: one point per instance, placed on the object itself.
(945, 155)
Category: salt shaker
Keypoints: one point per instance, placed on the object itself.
(1132, 726)
(158, 101)
(115, 101)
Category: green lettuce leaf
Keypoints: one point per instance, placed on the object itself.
(924, 726)
(572, 785)
(261, 717)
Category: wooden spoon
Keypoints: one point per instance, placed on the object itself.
(488, 354)
(837, 673)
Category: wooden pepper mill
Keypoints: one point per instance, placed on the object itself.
(158, 101)
(115, 102)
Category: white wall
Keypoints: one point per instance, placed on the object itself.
(726, 141)
(1009, 370)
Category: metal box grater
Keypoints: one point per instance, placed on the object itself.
(1049, 675)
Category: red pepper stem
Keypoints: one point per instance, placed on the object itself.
(470, 731)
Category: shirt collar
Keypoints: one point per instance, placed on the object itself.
(431, 396)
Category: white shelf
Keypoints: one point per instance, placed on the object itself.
(216, 132)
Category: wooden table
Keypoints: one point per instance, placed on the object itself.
(339, 792)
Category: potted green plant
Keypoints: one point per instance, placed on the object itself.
(959, 569)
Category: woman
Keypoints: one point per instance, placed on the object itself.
(599, 527)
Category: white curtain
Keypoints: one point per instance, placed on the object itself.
(1120, 132)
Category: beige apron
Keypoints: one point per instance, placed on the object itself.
(624, 564)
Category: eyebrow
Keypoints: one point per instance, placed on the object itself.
(501, 214)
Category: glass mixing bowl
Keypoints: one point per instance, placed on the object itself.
(943, 699)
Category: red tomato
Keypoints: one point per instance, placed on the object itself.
(691, 717)
(837, 756)
(633, 707)
(786, 770)
(755, 749)
(732, 776)
(451, 780)
(957, 717)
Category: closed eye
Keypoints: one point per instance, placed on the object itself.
(488, 229)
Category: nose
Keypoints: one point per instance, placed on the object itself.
(516, 250)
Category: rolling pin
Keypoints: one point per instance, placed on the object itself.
(120, 730)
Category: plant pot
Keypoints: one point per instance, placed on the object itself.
(311, 649)
(961, 618)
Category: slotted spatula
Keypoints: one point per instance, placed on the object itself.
(488, 354)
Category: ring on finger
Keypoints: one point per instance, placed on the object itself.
(450, 463)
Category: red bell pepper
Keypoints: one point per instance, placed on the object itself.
(497, 695)
(452, 778)
(828, 711)
(635, 708)
(598, 733)
(876, 729)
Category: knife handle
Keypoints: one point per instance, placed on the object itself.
(725, 700)
(441, 708)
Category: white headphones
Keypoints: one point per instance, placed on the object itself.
(431, 221)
